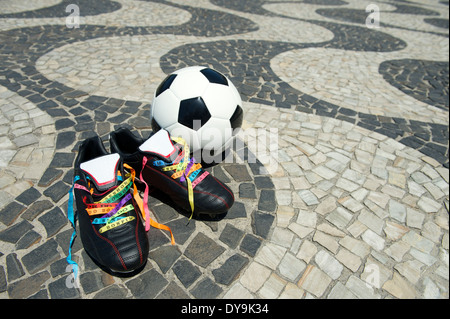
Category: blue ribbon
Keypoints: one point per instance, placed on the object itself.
(71, 216)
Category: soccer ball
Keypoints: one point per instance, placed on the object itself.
(200, 105)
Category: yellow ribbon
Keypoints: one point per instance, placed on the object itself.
(116, 224)
(180, 167)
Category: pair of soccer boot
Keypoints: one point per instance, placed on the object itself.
(110, 211)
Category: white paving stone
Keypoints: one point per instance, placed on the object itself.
(329, 264)
(374, 240)
(255, 276)
(314, 281)
(291, 267)
(270, 255)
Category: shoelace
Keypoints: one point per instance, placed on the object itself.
(112, 210)
(185, 169)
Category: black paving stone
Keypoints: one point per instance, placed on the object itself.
(36, 98)
(257, 168)
(112, 292)
(203, 250)
(247, 190)
(47, 105)
(250, 245)
(28, 286)
(65, 139)
(15, 269)
(42, 294)
(61, 124)
(140, 122)
(68, 177)
(83, 119)
(3, 281)
(437, 22)
(57, 113)
(89, 264)
(91, 282)
(115, 102)
(67, 102)
(52, 93)
(263, 182)
(230, 269)
(206, 289)
(119, 119)
(173, 291)
(41, 256)
(36, 209)
(157, 238)
(28, 240)
(96, 99)
(108, 108)
(103, 128)
(131, 109)
(63, 240)
(147, 285)
(165, 213)
(433, 153)
(261, 223)
(186, 272)
(60, 267)
(53, 221)
(15, 232)
(412, 142)
(91, 105)
(237, 211)
(58, 289)
(267, 200)
(57, 191)
(75, 94)
(50, 175)
(82, 127)
(10, 212)
(231, 236)
(239, 172)
(219, 173)
(62, 160)
(182, 229)
(165, 257)
(77, 111)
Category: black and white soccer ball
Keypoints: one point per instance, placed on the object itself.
(200, 105)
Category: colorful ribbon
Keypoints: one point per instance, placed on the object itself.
(185, 169)
(111, 212)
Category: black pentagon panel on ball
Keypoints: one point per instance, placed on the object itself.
(237, 118)
(165, 84)
(214, 76)
(193, 113)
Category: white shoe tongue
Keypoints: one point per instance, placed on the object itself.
(159, 144)
(102, 171)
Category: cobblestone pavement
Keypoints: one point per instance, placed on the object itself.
(347, 198)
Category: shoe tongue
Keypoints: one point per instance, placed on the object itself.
(160, 145)
(102, 171)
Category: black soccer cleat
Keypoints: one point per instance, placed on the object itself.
(108, 209)
(165, 163)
